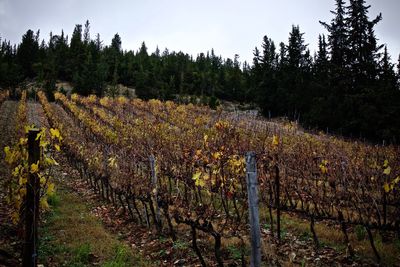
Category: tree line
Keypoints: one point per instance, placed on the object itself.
(349, 86)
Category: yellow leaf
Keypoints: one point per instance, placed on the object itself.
(200, 183)
(43, 204)
(198, 180)
(42, 180)
(23, 141)
(112, 162)
(16, 171)
(275, 140)
(385, 163)
(50, 161)
(22, 180)
(217, 155)
(22, 191)
(50, 189)
(15, 217)
(387, 170)
(57, 147)
(54, 133)
(35, 167)
(196, 176)
(10, 155)
(28, 128)
(38, 135)
(323, 168)
(386, 187)
(43, 143)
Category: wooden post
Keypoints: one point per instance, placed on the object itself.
(29, 253)
(155, 186)
(252, 190)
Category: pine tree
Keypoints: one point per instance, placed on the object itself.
(116, 43)
(296, 48)
(282, 55)
(269, 58)
(297, 66)
(363, 50)
(387, 75)
(320, 90)
(266, 93)
(61, 51)
(27, 53)
(98, 42)
(322, 54)
(398, 73)
(337, 39)
(256, 74)
(363, 87)
(86, 33)
(11, 73)
(77, 58)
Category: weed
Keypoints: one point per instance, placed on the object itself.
(53, 200)
(162, 253)
(266, 226)
(305, 236)
(397, 244)
(235, 252)
(122, 258)
(163, 239)
(360, 232)
(179, 245)
(284, 233)
(82, 254)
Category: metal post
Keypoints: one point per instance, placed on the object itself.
(252, 190)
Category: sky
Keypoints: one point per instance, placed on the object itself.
(229, 26)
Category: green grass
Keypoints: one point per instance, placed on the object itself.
(235, 252)
(71, 236)
(180, 245)
(122, 258)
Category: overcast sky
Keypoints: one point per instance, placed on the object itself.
(229, 26)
